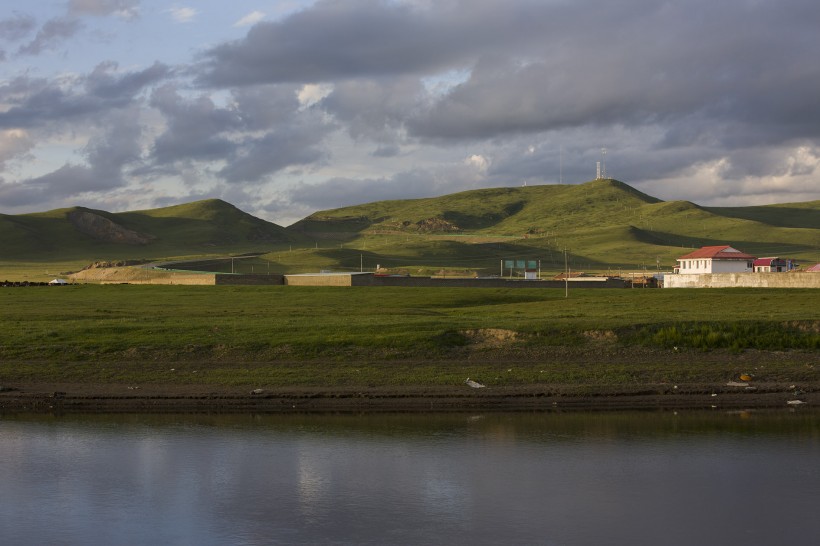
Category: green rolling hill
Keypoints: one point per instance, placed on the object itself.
(602, 225)
(202, 227)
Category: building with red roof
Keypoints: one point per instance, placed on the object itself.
(774, 265)
(715, 259)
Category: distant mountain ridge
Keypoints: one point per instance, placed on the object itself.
(207, 226)
(603, 221)
(606, 220)
(508, 210)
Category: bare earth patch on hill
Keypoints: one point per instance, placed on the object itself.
(103, 229)
(491, 337)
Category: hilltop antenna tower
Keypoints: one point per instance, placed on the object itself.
(603, 162)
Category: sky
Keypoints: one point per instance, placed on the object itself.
(283, 108)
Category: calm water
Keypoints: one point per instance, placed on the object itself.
(694, 478)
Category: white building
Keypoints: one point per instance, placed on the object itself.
(715, 259)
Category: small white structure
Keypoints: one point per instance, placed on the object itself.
(715, 259)
(57, 282)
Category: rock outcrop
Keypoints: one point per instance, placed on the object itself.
(103, 229)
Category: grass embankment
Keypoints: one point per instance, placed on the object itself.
(287, 337)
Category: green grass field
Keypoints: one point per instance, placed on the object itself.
(398, 336)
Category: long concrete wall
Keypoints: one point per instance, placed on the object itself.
(137, 275)
(250, 280)
(439, 282)
(744, 280)
(492, 283)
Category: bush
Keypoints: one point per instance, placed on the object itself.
(735, 336)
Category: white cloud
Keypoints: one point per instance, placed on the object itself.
(312, 93)
(182, 14)
(124, 9)
(250, 19)
(478, 162)
(14, 142)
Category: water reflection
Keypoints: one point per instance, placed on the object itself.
(577, 478)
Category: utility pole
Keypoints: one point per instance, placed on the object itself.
(566, 275)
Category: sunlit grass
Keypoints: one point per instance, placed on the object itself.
(395, 336)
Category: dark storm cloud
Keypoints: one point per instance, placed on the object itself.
(412, 184)
(16, 28)
(117, 147)
(273, 152)
(728, 62)
(445, 95)
(35, 102)
(51, 35)
(107, 155)
(198, 129)
(388, 150)
(105, 83)
(373, 108)
(195, 127)
(540, 66)
(366, 38)
(263, 106)
(340, 192)
(68, 180)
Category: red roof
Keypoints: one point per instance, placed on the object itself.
(769, 261)
(724, 252)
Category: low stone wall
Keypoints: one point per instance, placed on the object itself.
(440, 282)
(326, 280)
(743, 280)
(493, 283)
(250, 280)
(138, 275)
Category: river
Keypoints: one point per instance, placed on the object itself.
(654, 478)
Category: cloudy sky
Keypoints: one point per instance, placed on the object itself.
(286, 107)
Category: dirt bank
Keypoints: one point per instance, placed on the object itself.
(112, 398)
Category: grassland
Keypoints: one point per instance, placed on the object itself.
(284, 337)
(603, 226)
(522, 341)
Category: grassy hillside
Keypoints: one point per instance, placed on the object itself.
(501, 211)
(202, 227)
(604, 225)
(796, 215)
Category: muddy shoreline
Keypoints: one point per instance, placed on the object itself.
(116, 398)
